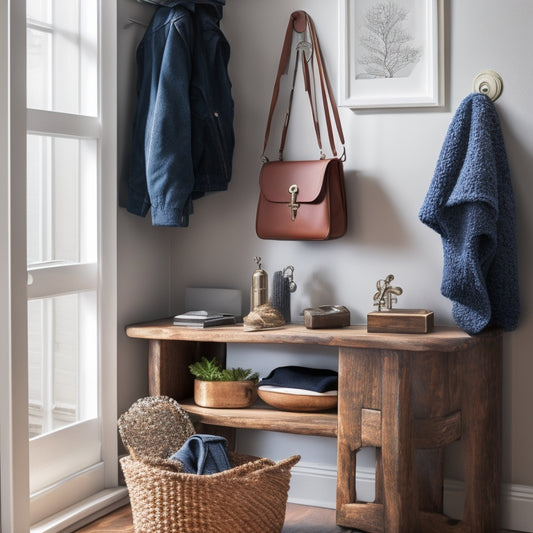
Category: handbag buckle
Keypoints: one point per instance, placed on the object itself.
(293, 205)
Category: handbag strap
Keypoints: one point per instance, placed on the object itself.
(303, 49)
(310, 52)
(325, 86)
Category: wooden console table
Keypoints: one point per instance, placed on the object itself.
(407, 395)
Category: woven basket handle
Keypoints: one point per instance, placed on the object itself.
(285, 464)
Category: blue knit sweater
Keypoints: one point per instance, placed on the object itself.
(470, 204)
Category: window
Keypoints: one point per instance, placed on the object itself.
(61, 234)
(70, 247)
(62, 50)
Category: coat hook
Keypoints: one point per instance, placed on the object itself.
(489, 83)
(135, 21)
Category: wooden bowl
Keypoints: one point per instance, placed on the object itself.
(228, 394)
(297, 402)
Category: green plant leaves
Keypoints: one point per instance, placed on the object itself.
(210, 370)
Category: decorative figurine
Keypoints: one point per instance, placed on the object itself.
(292, 284)
(259, 294)
(389, 320)
(384, 296)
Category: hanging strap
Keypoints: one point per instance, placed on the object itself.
(305, 52)
(308, 51)
(325, 86)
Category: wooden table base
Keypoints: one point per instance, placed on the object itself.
(407, 395)
(409, 405)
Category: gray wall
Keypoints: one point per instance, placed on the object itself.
(391, 158)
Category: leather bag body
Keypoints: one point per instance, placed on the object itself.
(319, 209)
(303, 200)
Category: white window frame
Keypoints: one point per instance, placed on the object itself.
(14, 446)
(14, 468)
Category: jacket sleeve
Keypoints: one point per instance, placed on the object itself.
(169, 168)
(138, 201)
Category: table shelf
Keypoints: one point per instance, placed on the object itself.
(264, 417)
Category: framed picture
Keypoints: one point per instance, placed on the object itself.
(391, 53)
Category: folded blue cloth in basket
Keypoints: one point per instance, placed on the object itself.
(300, 377)
(204, 454)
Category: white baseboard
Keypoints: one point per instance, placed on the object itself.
(315, 485)
(86, 511)
(516, 504)
(517, 509)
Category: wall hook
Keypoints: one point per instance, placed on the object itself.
(135, 21)
(489, 83)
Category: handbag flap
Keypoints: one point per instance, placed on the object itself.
(277, 176)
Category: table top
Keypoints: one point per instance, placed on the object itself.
(443, 338)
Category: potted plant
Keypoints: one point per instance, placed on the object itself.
(222, 387)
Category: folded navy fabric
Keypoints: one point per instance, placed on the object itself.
(204, 454)
(300, 377)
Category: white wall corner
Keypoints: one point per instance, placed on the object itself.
(315, 485)
(517, 507)
(516, 504)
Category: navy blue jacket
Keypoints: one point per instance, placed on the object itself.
(183, 132)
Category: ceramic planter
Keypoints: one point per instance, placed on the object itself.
(227, 394)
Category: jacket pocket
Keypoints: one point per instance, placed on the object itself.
(212, 152)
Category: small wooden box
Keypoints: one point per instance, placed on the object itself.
(400, 321)
(327, 316)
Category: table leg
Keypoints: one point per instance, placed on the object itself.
(399, 479)
(359, 398)
(481, 435)
(168, 365)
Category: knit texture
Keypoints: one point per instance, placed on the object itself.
(281, 295)
(470, 204)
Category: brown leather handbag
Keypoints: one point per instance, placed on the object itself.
(303, 200)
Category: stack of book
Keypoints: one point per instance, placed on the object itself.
(203, 319)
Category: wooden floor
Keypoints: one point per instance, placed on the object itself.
(299, 519)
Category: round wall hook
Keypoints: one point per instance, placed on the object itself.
(489, 83)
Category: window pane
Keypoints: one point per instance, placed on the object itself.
(39, 75)
(39, 10)
(62, 361)
(62, 56)
(61, 199)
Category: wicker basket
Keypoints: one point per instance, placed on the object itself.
(251, 497)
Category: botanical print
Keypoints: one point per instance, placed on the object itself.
(386, 48)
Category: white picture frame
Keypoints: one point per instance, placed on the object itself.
(414, 77)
